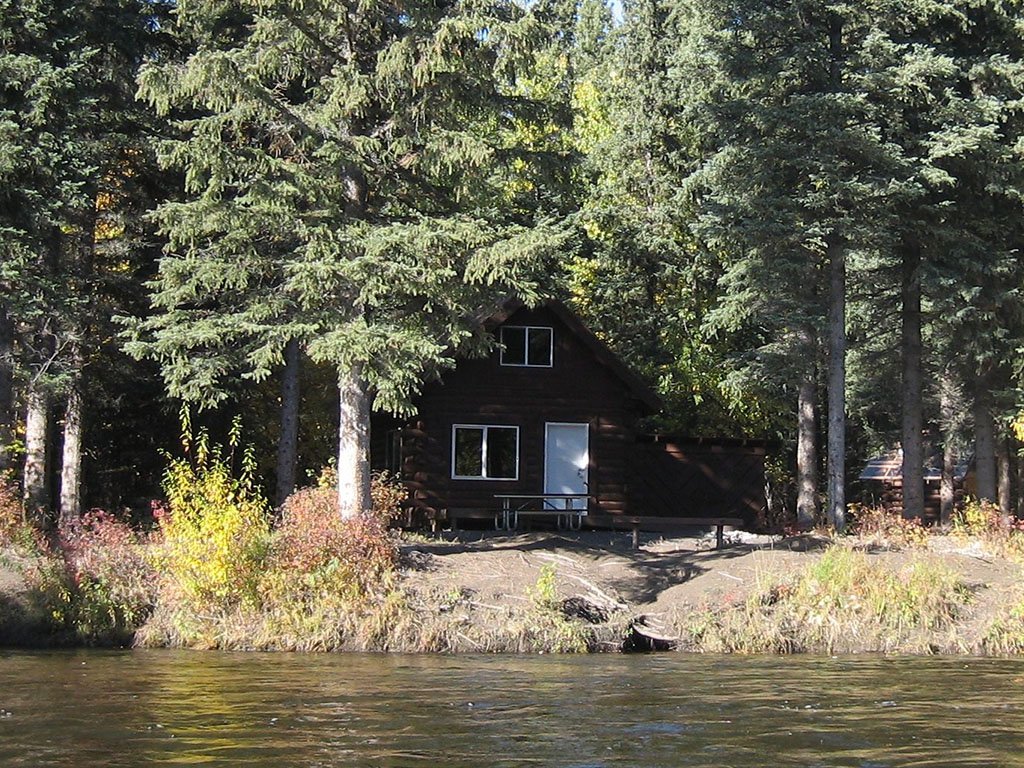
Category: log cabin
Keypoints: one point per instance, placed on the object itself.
(882, 483)
(549, 422)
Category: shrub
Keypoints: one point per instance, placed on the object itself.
(776, 515)
(99, 582)
(310, 531)
(14, 529)
(313, 549)
(544, 595)
(313, 582)
(215, 529)
(91, 583)
(979, 518)
(879, 526)
(1005, 635)
(387, 494)
(983, 521)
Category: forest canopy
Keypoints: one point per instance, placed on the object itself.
(798, 221)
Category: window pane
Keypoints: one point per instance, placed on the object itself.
(469, 442)
(540, 346)
(501, 452)
(514, 340)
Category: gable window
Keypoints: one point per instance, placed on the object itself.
(526, 346)
(483, 452)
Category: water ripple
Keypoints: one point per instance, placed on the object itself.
(134, 708)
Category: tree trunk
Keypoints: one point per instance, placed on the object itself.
(287, 442)
(807, 451)
(837, 385)
(948, 420)
(984, 446)
(37, 424)
(77, 269)
(913, 422)
(1020, 479)
(35, 485)
(71, 457)
(835, 253)
(1003, 477)
(947, 485)
(353, 444)
(7, 418)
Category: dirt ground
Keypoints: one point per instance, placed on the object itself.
(667, 577)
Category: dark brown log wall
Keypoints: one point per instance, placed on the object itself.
(680, 477)
(889, 494)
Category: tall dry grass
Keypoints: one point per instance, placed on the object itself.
(845, 601)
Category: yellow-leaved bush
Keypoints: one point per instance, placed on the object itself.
(215, 528)
(231, 580)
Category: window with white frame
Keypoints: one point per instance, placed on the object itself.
(485, 452)
(528, 346)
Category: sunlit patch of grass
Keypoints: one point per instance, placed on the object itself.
(454, 621)
(403, 618)
(1005, 634)
(845, 601)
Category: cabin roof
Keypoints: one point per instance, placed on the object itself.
(601, 351)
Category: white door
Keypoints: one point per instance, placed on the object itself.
(566, 462)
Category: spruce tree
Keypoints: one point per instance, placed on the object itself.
(854, 135)
(352, 182)
(801, 180)
(981, 274)
(636, 276)
(945, 91)
(958, 120)
(42, 187)
(632, 227)
(73, 146)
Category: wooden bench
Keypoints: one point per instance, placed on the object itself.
(652, 523)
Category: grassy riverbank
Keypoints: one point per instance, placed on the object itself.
(214, 574)
(952, 594)
(548, 592)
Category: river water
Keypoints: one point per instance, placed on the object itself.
(131, 708)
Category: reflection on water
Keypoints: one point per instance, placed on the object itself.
(181, 708)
